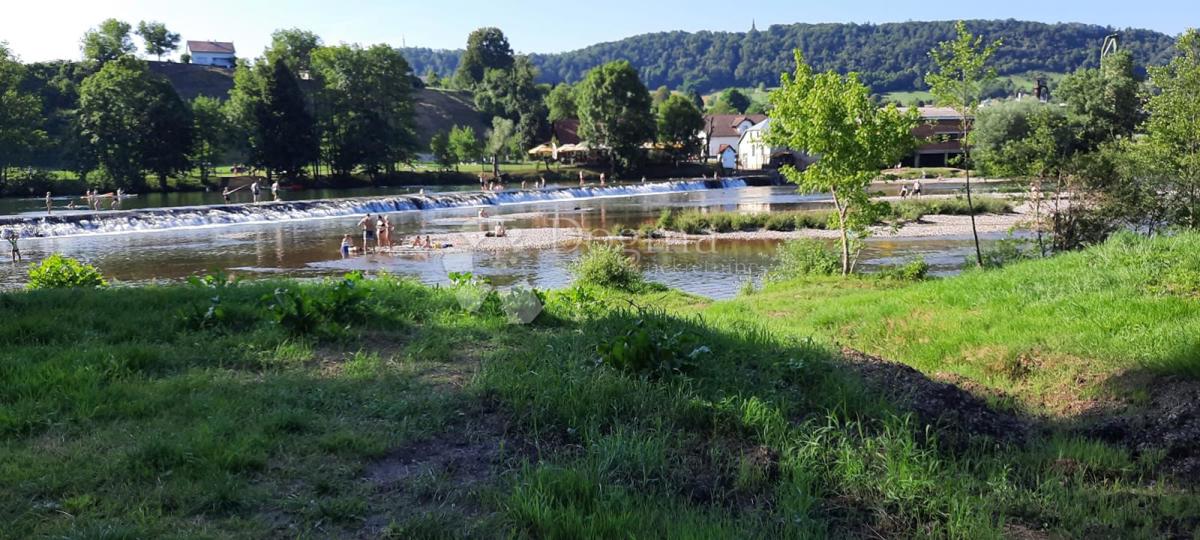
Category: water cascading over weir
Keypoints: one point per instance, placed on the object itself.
(151, 219)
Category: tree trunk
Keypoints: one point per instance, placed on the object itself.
(970, 204)
(162, 182)
(841, 211)
(496, 167)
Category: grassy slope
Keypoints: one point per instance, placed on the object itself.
(121, 416)
(1039, 329)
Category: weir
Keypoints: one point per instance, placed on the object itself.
(151, 219)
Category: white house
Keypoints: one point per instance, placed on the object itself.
(753, 153)
(722, 130)
(728, 157)
(212, 53)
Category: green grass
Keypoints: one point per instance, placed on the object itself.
(696, 222)
(138, 412)
(1060, 325)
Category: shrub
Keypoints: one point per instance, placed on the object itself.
(58, 272)
(652, 347)
(1004, 252)
(915, 270)
(606, 265)
(804, 257)
(666, 220)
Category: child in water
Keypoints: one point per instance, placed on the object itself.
(12, 237)
(347, 246)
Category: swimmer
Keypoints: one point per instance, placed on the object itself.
(384, 232)
(428, 244)
(367, 223)
(347, 246)
(416, 241)
(12, 237)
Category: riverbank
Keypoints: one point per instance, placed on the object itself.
(387, 408)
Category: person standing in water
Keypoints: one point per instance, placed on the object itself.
(116, 203)
(275, 190)
(347, 246)
(254, 190)
(367, 223)
(49, 204)
(384, 232)
(12, 237)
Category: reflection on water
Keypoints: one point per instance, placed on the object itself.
(310, 248)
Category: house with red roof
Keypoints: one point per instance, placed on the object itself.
(212, 53)
(722, 130)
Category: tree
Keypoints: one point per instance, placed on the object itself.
(464, 144)
(614, 112)
(169, 135)
(209, 134)
(834, 117)
(157, 39)
(1103, 103)
(439, 146)
(500, 141)
(294, 47)
(731, 101)
(487, 48)
(366, 107)
(133, 121)
(1173, 131)
(21, 130)
(107, 42)
(660, 95)
(962, 73)
(514, 94)
(267, 105)
(678, 123)
(560, 103)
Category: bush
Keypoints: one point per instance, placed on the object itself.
(652, 347)
(1004, 252)
(606, 265)
(804, 257)
(666, 220)
(58, 272)
(915, 270)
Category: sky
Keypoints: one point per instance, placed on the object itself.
(50, 29)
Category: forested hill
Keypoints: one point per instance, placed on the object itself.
(889, 57)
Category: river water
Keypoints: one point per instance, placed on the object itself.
(170, 239)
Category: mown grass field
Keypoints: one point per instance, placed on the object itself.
(387, 408)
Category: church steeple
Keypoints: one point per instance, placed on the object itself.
(753, 26)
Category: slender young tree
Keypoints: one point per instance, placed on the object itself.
(962, 73)
(833, 116)
(465, 145)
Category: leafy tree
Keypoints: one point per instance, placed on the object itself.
(1103, 103)
(210, 134)
(963, 71)
(169, 138)
(267, 105)
(731, 101)
(21, 130)
(560, 103)
(514, 94)
(678, 122)
(464, 144)
(1030, 141)
(614, 111)
(107, 42)
(660, 95)
(157, 39)
(487, 48)
(432, 79)
(1173, 131)
(501, 141)
(439, 146)
(834, 117)
(367, 107)
(134, 121)
(295, 47)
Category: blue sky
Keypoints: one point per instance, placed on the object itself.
(48, 29)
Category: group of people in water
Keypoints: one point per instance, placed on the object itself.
(255, 192)
(377, 230)
(914, 191)
(92, 198)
